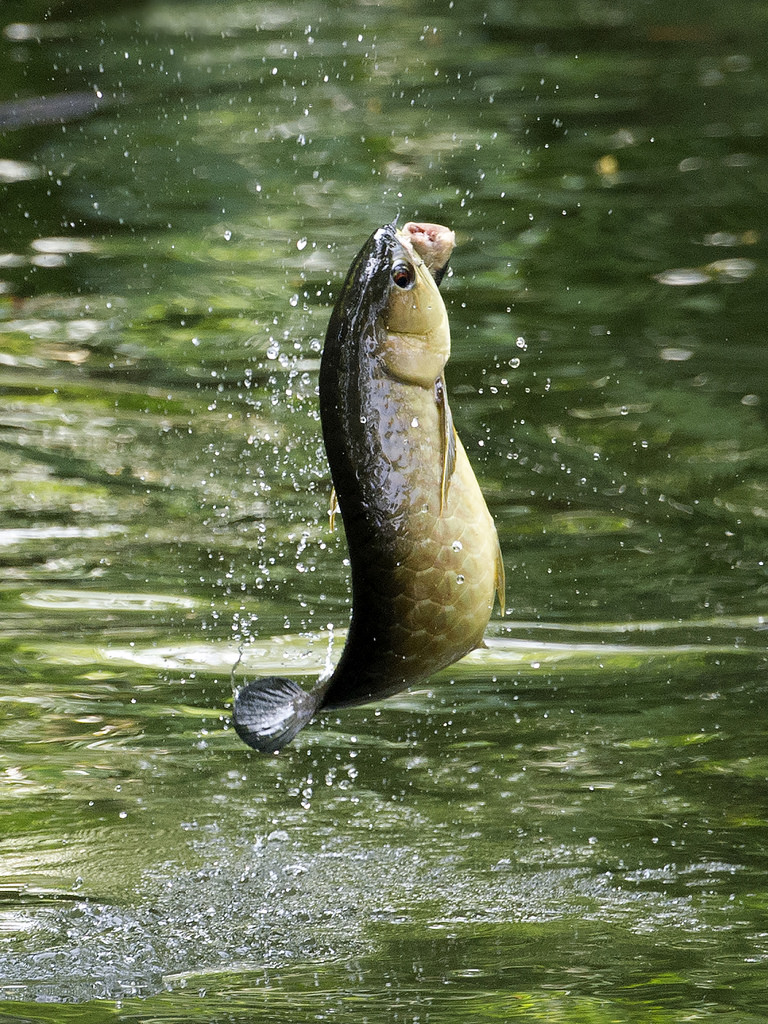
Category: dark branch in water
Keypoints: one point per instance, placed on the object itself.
(58, 109)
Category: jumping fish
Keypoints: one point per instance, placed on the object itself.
(424, 553)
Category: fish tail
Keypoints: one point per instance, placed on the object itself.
(269, 712)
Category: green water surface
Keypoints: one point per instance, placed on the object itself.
(572, 824)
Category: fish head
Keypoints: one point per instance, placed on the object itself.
(389, 318)
(415, 341)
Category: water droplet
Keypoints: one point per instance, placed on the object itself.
(294, 300)
(459, 578)
(682, 276)
(675, 355)
(457, 545)
(227, 235)
(301, 244)
(415, 421)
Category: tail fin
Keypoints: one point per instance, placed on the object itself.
(269, 712)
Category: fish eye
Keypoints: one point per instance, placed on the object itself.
(403, 274)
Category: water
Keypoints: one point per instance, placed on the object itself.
(567, 826)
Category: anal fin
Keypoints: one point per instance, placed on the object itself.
(501, 582)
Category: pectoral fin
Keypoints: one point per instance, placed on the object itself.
(333, 508)
(448, 435)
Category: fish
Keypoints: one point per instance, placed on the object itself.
(425, 560)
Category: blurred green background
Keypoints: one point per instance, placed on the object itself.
(567, 826)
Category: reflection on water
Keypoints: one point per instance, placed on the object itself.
(568, 825)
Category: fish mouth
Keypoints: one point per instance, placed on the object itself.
(431, 243)
(419, 241)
